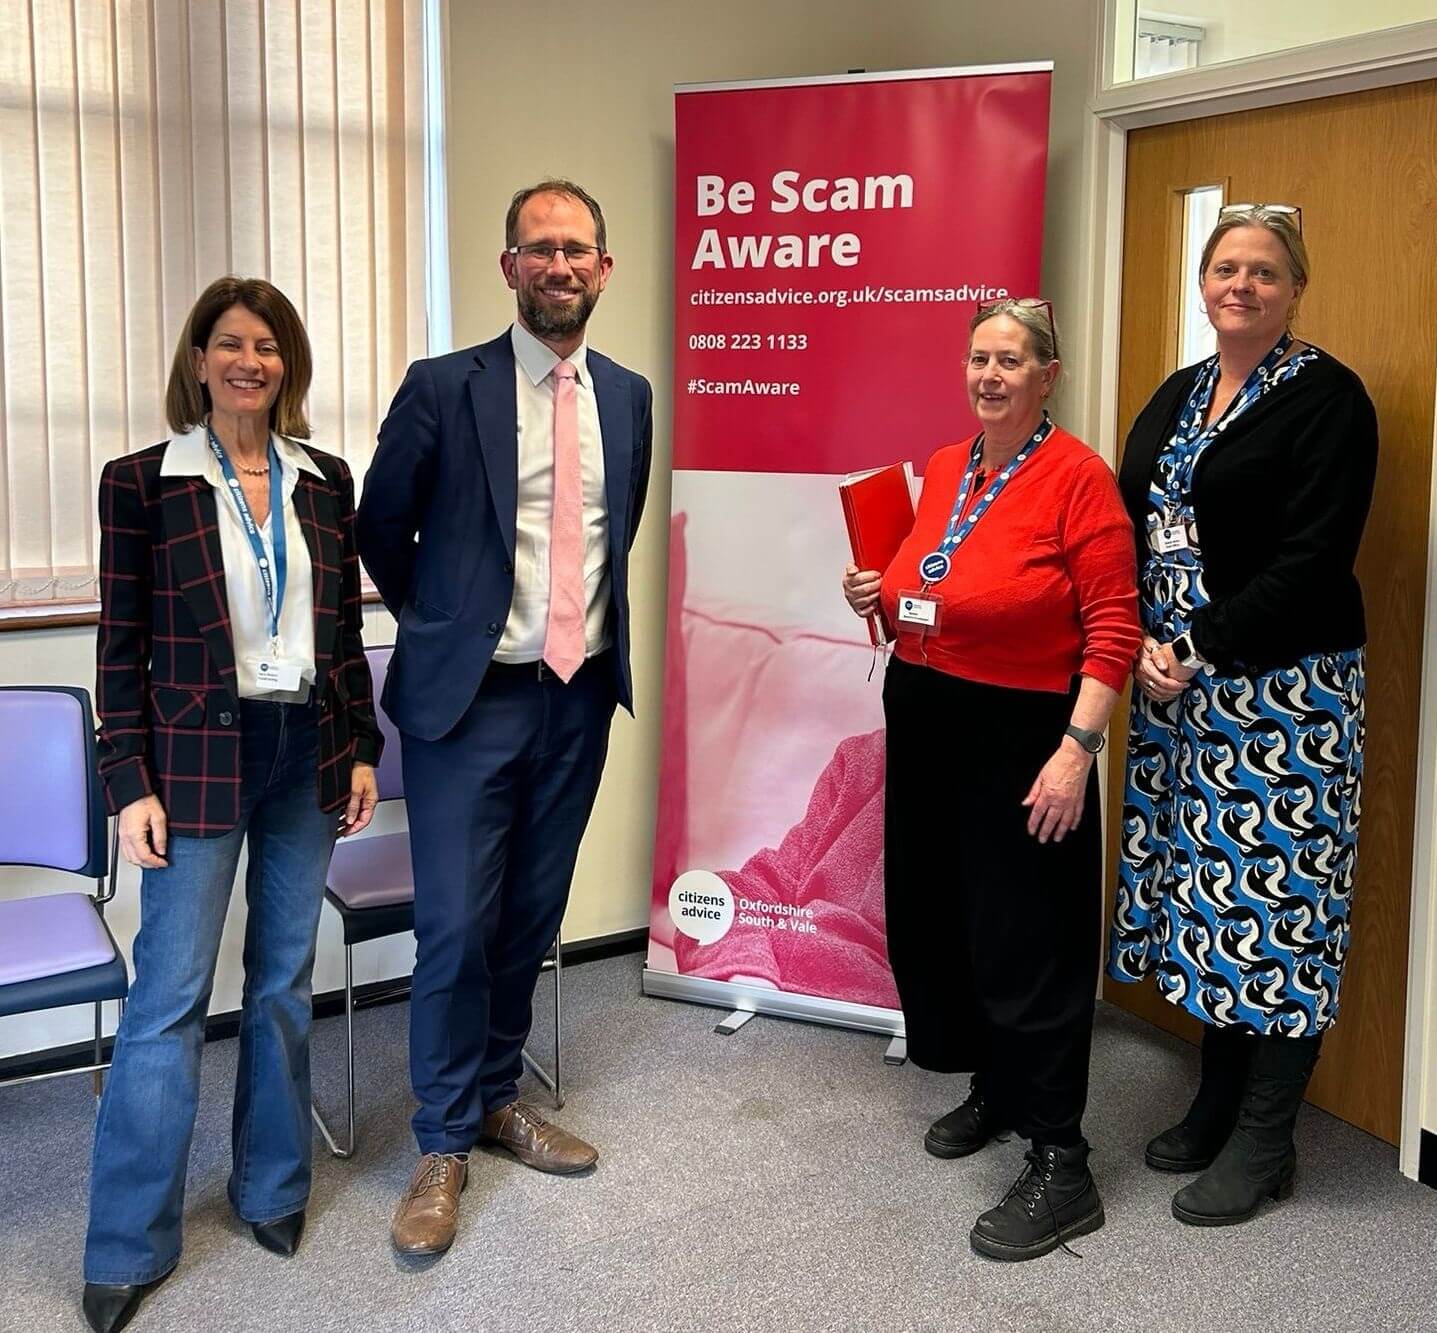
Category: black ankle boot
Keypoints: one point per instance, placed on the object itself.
(110, 1306)
(968, 1128)
(1053, 1200)
(1258, 1160)
(1193, 1143)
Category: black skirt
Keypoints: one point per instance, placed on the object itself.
(994, 937)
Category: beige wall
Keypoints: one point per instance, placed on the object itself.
(604, 116)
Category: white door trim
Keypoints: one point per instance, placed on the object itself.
(1419, 1067)
(1374, 60)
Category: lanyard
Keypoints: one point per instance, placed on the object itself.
(935, 565)
(272, 579)
(1193, 438)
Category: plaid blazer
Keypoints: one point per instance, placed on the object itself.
(166, 688)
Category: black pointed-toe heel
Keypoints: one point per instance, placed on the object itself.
(110, 1306)
(282, 1235)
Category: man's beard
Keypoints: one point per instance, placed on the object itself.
(548, 321)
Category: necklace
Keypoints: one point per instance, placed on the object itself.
(254, 471)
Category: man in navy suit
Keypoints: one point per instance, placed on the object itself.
(496, 523)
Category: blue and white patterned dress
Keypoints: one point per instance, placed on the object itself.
(1240, 813)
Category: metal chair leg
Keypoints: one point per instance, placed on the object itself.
(99, 1075)
(324, 1130)
(553, 1084)
(558, 1022)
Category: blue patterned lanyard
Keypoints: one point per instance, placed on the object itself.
(935, 565)
(273, 579)
(1192, 437)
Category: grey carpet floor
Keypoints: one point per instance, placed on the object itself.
(774, 1179)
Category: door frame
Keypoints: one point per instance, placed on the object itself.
(1374, 60)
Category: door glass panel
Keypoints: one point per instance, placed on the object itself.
(1196, 339)
(1153, 40)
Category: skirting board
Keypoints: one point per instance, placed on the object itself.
(326, 1004)
(772, 1003)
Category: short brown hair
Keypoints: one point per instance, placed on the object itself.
(187, 400)
(556, 185)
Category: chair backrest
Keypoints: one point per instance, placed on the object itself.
(390, 774)
(51, 810)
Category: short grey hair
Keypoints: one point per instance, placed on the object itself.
(1032, 314)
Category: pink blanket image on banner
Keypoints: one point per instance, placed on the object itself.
(833, 240)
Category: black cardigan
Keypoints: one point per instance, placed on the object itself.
(1280, 499)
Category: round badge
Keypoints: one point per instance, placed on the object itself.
(934, 567)
(701, 906)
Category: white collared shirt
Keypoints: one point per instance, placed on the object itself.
(191, 456)
(523, 638)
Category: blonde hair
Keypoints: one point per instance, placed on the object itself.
(1280, 225)
(187, 401)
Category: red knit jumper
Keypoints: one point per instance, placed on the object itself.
(1045, 585)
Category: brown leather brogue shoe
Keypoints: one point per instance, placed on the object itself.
(428, 1214)
(535, 1142)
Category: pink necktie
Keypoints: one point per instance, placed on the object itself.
(564, 638)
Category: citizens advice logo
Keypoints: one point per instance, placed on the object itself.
(701, 906)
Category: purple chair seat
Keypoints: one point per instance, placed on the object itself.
(374, 872)
(51, 935)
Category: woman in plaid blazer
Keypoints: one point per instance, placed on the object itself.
(235, 708)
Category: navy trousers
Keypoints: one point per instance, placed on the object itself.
(497, 808)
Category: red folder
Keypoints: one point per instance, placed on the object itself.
(878, 508)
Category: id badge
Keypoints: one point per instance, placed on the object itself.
(1166, 540)
(272, 673)
(919, 611)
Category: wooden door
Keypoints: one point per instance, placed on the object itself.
(1362, 168)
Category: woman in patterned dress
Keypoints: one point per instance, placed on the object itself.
(1248, 479)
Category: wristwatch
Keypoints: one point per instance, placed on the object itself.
(1185, 654)
(1091, 741)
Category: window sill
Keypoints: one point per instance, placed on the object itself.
(67, 615)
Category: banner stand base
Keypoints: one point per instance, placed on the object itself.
(897, 1052)
(743, 1001)
(733, 1022)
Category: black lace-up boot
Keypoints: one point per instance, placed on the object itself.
(1052, 1201)
(1258, 1161)
(968, 1128)
(1196, 1139)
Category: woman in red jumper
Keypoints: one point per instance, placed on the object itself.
(1015, 600)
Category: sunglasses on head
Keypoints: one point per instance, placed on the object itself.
(1022, 302)
(1285, 210)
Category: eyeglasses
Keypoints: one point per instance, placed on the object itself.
(542, 253)
(1004, 303)
(1285, 210)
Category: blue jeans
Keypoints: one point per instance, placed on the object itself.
(147, 1117)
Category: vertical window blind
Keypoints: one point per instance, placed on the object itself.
(1164, 46)
(148, 147)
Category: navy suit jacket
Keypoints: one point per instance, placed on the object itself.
(436, 524)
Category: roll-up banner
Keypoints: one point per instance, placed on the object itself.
(833, 239)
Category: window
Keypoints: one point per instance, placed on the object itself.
(150, 146)
(1149, 40)
(1163, 47)
(1197, 339)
